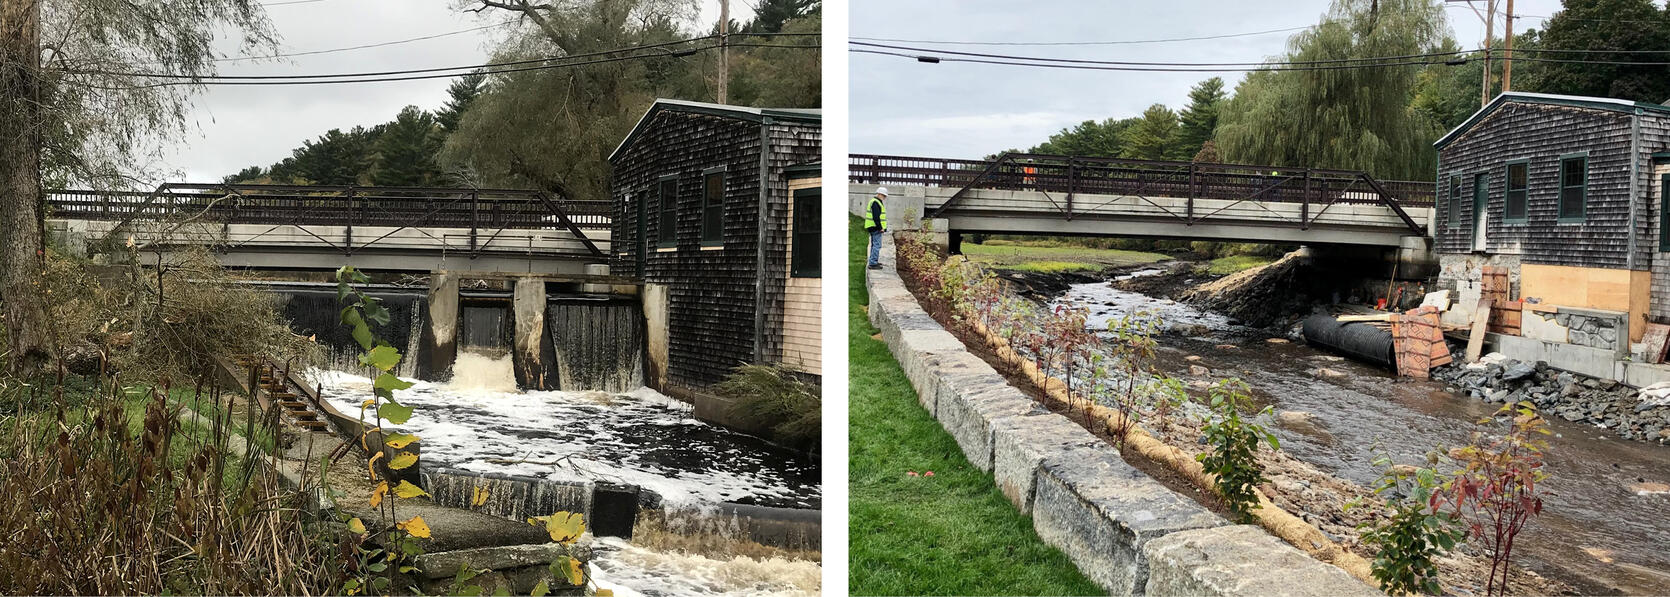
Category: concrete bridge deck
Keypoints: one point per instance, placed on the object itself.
(1060, 195)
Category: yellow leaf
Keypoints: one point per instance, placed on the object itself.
(399, 440)
(575, 576)
(415, 527)
(368, 403)
(402, 460)
(605, 593)
(407, 490)
(565, 527)
(377, 494)
(478, 497)
(356, 526)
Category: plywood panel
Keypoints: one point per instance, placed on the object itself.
(1591, 287)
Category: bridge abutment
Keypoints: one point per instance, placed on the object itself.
(441, 338)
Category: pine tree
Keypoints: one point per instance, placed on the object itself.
(463, 92)
(1200, 119)
(1153, 136)
(405, 152)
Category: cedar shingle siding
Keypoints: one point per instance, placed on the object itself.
(1541, 132)
(711, 291)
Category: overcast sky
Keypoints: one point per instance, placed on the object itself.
(247, 126)
(962, 110)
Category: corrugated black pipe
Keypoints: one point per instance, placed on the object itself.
(1356, 340)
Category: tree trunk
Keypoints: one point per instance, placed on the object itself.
(22, 250)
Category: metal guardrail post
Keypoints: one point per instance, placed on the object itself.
(1304, 204)
(348, 236)
(475, 217)
(1072, 185)
(1194, 189)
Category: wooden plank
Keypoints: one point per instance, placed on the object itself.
(1362, 318)
(1657, 340)
(1475, 340)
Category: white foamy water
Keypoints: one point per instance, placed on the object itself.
(1107, 303)
(631, 571)
(642, 438)
(475, 372)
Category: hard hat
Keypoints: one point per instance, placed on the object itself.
(881, 191)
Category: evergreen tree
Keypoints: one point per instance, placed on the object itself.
(1199, 121)
(335, 158)
(1618, 26)
(1088, 139)
(405, 152)
(462, 92)
(1153, 136)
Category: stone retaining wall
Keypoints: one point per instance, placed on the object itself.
(1124, 530)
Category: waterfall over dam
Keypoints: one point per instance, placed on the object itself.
(592, 342)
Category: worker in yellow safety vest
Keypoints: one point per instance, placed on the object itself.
(875, 222)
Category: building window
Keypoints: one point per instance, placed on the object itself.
(1513, 210)
(713, 208)
(1574, 186)
(806, 240)
(1455, 202)
(1663, 215)
(666, 235)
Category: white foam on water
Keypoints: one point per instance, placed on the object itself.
(475, 372)
(562, 435)
(630, 570)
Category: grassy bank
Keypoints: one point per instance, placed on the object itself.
(949, 534)
(1053, 258)
(1223, 266)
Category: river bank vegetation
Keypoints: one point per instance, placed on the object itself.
(1488, 489)
(951, 533)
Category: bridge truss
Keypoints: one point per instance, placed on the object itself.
(350, 219)
(1066, 180)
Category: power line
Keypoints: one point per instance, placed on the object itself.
(392, 72)
(1126, 63)
(366, 46)
(1080, 43)
(1179, 69)
(418, 77)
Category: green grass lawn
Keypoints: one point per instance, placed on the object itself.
(1235, 263)
(950, 534)
(1055, 259)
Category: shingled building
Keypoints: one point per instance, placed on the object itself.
(1566, 195)
(716, 211)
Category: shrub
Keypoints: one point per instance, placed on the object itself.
(775, 396)
(1495, 492)
(1407, 532)
(1234, 452)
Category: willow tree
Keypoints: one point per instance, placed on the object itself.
(90, 90)
(1358, 117)
(555, 128)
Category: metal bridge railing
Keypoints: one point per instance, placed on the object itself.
(1067, 174)
(1314, 189)
(484, 212)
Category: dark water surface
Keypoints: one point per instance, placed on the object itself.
(1596, 523)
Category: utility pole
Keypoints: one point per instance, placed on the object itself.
(724, 52)
(1489, 26)
(1507, 51)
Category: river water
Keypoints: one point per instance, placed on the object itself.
(480, 423)
(1602, 526)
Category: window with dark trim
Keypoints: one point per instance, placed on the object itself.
(1663, 215)
(713, 208)
(1518, 183)
(666, 235)
(1481, 201)
(1574, 187)
(1454, 219)
(806, 240)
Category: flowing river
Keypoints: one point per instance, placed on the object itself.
(480, 423)
(1602, 528)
